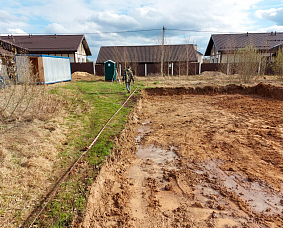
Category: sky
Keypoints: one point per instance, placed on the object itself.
(140, 22)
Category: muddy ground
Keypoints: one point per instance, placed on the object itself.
(196, 158)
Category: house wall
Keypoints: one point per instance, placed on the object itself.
(80, 55)
(233, 58)
(70, 55)
(199, 58)
(214, 55)
(75, 57)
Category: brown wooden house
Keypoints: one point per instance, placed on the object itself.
(222, 47)
(146, 60)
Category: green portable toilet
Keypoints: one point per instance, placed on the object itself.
(110, 70)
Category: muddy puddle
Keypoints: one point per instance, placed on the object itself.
(203, 201)
(259, 196)
(150, 164)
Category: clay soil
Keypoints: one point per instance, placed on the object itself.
(195, 158)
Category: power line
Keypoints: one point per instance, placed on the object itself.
(128, 31)
(203, 31)
(89, 33)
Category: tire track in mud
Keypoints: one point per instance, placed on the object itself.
(194, 161)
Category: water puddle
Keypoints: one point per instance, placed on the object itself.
(157, 155)
(261, 198)
(150, 162)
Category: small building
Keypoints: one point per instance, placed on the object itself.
(146, 60)
(16, 65)
(39, 69)
(110, 70)
(222, 47)
(73, 46)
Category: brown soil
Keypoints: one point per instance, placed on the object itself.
(84, 76)
(206, 157)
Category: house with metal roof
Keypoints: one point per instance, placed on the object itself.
(73, 46)
(221, 47)
(146, 60)
(9, 49)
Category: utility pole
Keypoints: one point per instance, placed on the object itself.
(162, 51)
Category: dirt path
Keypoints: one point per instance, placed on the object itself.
(194, 161)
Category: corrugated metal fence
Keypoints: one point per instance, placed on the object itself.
(179, 68)
(83, 67)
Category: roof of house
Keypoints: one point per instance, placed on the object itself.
(9, 49)
(147, 54)
(44, 44)
(232, 42)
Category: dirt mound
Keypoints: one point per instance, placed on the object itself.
(84, 76)
(268, 90)
(264, 90)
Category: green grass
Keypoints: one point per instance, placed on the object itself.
(97, 102)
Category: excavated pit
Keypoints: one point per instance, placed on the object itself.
(195, 157)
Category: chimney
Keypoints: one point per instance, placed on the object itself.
(271, 33)
(29, 35)
(247, 33)
(275, 33)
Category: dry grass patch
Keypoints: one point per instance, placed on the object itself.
(29, 153)
(34, 132)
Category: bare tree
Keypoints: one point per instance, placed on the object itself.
(248, 60)
(278, 63)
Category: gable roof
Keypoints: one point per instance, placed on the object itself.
(41, 44)
(147, 54)
(232, 42)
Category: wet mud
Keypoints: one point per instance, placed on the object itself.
(195, 159)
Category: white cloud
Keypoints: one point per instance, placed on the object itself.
(266, 13)
(100, 17)
(56, 28)
(17, 31)
(10, 23)
(274, 15)
(111, 20)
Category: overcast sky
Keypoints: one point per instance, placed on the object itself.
(103, 21)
